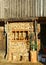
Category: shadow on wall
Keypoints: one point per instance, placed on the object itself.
(42, 37)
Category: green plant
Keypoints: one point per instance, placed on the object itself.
(34, 46)
(33, 42)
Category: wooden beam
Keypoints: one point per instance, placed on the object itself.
(31, 19)
(19, 19)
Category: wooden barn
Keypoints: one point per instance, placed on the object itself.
(17, 20)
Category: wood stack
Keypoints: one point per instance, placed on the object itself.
(18, 50)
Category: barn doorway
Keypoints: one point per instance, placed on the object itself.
(43, 36)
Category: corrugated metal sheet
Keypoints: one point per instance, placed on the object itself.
(38, 8)
(1, 8)
(22, 8)
(44, 7)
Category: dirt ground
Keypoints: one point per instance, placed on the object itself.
(20, 63)
(4, 61)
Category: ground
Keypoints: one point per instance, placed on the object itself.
(20, 63)
(5, 62)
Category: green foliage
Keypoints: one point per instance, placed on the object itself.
(33, 46)
(33, 43)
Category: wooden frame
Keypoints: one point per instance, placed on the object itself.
(22, 31)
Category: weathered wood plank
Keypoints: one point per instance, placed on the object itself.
(44, 7)
(14, 8)
(22, 8)
(7, 10)
(31, 8)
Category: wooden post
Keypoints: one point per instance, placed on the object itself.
(33, 56)
(34, 52)
(36, 30)
(7, 44)
(5, 31)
